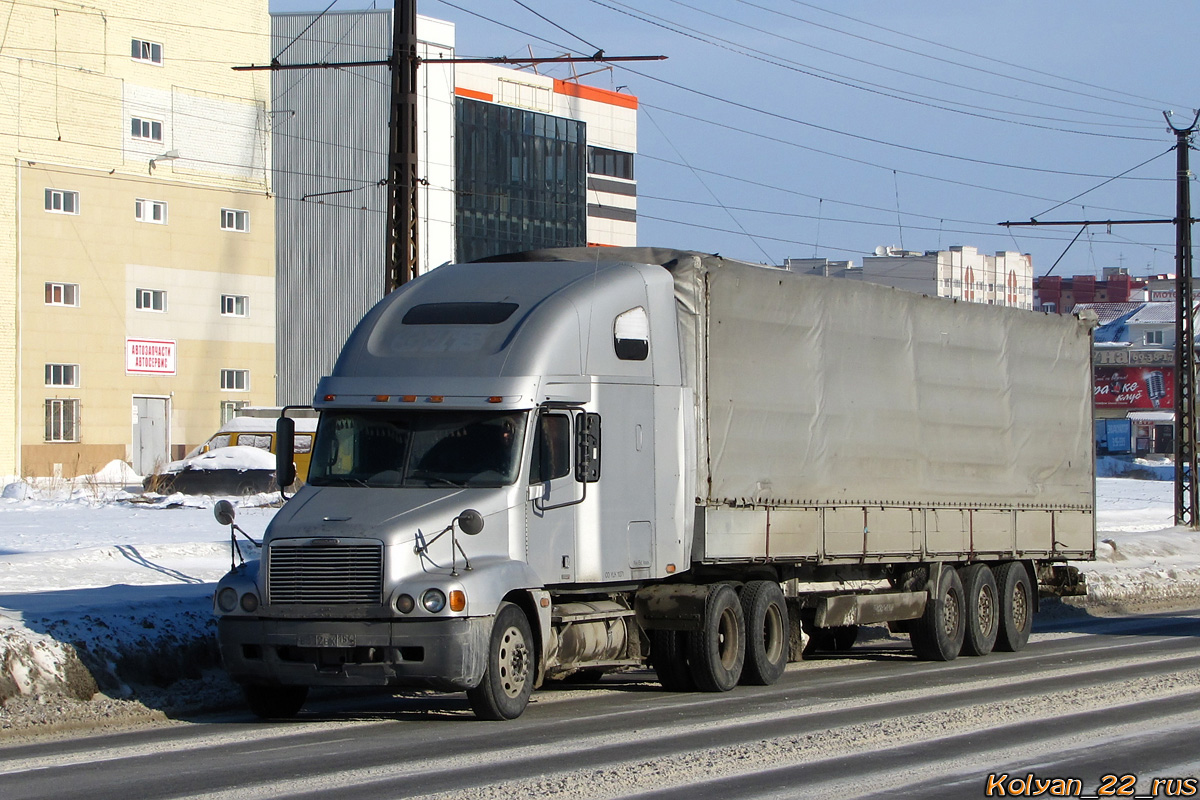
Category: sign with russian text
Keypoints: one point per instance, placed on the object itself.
(1135, 387)
(149, 357)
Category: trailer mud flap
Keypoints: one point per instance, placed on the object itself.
(675, 607)
(864, 609)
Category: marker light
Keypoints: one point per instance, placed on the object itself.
(437, 398)
(408, 398)
(458, 599)
(381, 398)
(496, 399)
(329, 397)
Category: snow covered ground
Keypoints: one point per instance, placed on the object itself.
(104, 589)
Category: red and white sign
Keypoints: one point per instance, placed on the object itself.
(1135, 387)
(149, 357)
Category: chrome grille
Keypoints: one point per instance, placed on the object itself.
(325, 573)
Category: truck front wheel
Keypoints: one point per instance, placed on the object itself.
(767, 633)
(275, 702)
(716, 652)
(507, 680)
(937, 635)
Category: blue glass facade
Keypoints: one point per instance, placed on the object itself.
(521, 180)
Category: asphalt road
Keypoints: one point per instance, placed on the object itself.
(1088, 698)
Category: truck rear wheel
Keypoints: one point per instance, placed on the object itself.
(507, 680)
(767, 633)
(1016, 606)
(937, 635)
(275, 702)
(716, 652)
(668, 657)
(983, 612)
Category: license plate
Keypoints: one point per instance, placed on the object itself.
(325, 640)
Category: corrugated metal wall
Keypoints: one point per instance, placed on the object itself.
(329, 143)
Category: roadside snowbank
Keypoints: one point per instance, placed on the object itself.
(103, 589)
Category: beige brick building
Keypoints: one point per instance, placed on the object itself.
(136, 229)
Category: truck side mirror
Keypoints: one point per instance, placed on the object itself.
(223, 511)
(470, 522)
(587, 448)
(285, 452)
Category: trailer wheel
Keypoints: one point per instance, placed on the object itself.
(275, 702)
(716, 652)
(1016, 606)
(983, 609)
(937, 635)
(668, 657)
(507, 680)
(767, 633)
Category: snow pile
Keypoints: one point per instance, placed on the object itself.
(112, 590)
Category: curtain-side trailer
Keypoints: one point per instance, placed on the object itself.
(576, 461)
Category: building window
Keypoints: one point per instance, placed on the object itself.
(62, 294)
(59, 201)
(235, 380)
(150, 299)
(233, 220)
(148, 129)
(234, 305)
(230, 408)
(62, 374)
(150, 52)
(614, 163)
(62, 420)
(1154, 337)
(150, 211)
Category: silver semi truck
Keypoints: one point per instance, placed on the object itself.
(577, 461)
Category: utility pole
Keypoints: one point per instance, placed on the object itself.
(402, 247)
(1187, 505)
(1187, 501)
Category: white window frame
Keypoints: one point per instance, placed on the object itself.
(1153, 337)
(62, 419)
(150, 300)
(144, 51)
(145, 211)
(230, 408)
(58, 200)
(235, 305)
(235, 219)
(62, 375)
(145, 130)
(230, 378)
(63, 290)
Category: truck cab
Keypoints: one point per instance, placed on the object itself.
(544, 401)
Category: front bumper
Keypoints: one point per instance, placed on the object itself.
(447, 654)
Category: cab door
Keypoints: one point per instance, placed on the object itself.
(553, 498)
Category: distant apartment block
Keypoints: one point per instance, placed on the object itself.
(961, 273)
(1061, 295)
(134, 201)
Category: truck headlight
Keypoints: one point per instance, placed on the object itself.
(434, 600)
(227, 599)
(405, 603)
(249, 602)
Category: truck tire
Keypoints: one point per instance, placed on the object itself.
(767, 633)
(1016, 606)
(937, 635)
(668, 657)
(507, 680)
(983, 609)
(275, 702)
(717, 652)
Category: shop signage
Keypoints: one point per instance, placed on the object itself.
(1134, 387)
(149, 357)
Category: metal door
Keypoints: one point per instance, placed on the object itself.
(151, 434)
(552, 502)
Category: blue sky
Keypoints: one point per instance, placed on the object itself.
(794, 128)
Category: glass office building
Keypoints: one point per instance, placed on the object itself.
(520, 180)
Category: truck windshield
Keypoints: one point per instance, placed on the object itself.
(417, 448)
